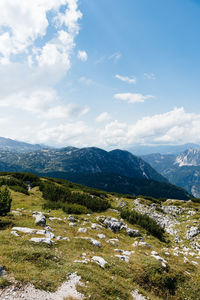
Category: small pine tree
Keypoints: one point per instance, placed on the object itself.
(5, 201)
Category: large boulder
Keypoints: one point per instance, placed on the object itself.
(132, 232)
(40, 219)
(114, 224)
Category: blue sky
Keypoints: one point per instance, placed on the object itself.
(108, 73)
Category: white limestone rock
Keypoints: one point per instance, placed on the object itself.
(100, 261)
(82, 230)
(40, 219)
(42, 240)
(24, 230)
(192, 232)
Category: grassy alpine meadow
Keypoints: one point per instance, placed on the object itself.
(135, 267)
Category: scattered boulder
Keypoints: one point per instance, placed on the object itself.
(54, 218)
(113, 242)
(14, 233)
(71, 219)
(82, 230)
(157, 257)
(2, 271)
(132, 232)
(95, 243)
(40, 219)
(100, 261)
(144, 244)
(24, 230)
(136, 296)
(101, 236)
(177, 239)
(123, 257)
(192, 232)
(42, 240)
(114, 224)
(92, 241)
(71, 224)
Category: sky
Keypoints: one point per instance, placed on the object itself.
(104, 73)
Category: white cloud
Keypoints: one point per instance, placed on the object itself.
(132, 97)
(82, 55)
(173, 127)
(131, 80)
(115, 56)
(150, 76)
(103, 117)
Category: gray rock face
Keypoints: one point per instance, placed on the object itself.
(40, 219)
(173, 210)
(165, 221)
(192, 232)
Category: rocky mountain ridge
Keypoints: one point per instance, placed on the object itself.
(182, 170)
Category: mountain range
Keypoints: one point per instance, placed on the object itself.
(182, 169)
(17, 146)
(115, 171)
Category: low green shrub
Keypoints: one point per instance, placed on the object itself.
(144, 221)
(5, 201)
(61, 194)
(19, 189)
(68, 208)
(152, 277)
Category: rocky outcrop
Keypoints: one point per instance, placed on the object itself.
(192, 232)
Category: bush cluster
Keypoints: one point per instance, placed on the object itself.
(5, 201)
(69, 208)
(61, 197)
(144, 221)
(18, 181)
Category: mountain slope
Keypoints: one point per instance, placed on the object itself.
(113, 258)
(86, 161)
(182, 170)
(116, 171)
(17, 146)
(125, 185)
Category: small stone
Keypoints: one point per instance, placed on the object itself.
(82, 230)
(71, 219)
(14, 233)
(101, 236)
(72, 224)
